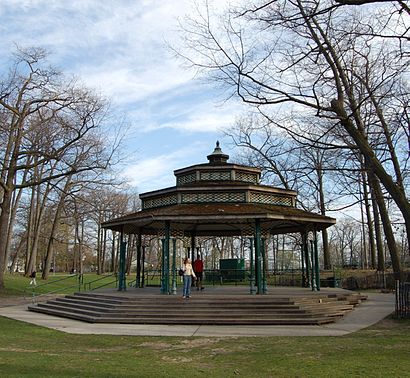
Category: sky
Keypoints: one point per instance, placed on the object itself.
(120, 48)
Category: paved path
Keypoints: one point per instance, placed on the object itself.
(369, 312)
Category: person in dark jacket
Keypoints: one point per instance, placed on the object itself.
(199, 272)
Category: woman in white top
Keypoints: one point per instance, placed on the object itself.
(188, 274)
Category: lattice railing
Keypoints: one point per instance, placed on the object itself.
(160, 201)
(270, 199)
(186, 179)
(213, 197)
(215, 176)
(246, 177)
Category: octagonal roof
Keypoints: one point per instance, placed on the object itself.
(219, 198)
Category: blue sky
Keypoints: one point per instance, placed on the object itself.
(118, 48)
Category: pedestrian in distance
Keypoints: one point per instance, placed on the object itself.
(33, 278)
(199, 272)
(189, 274)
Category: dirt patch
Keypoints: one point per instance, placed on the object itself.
(6, 301)
(183, 344)
(177, 359)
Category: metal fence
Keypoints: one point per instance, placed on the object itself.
(402, 299)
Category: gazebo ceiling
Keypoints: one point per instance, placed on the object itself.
(218, 199)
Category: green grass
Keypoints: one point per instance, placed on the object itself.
(30, 351)
(17, 284)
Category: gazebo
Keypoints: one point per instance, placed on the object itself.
(219, 198)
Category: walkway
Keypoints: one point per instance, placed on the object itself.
(369, 312)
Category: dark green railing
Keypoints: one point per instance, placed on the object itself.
(33, 292)
(88, 285)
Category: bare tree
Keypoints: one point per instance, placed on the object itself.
(313, 58)
(48, 121)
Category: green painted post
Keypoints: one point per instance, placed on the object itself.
(317, 268)
(263, 253)
(307, 259)
(162, 266)
(313, 271)
(143, 267)
(302, 263)
(138, 273)
(258, 256)
(165, 260)
(251, 267)
(122, 286)
(174, 266)
(193, 246)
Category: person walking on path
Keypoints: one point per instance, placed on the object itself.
(188, 275)
(199, 271)
(33, 278)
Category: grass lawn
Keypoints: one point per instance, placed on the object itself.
(17, 284)
(26, 350)
(31, 351)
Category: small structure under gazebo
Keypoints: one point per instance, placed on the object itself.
(219, 198)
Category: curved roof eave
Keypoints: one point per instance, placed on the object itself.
(220, 215)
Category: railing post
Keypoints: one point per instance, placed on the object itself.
(251, 275)
(316, 254)
(313, 270)
(174, 263)
(258, 255)
(263, 253)
(122, 286)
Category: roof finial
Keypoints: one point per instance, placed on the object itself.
(217, 157)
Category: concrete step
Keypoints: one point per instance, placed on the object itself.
(201, 309)
(185, 320)
(174, 308)
(175, 304)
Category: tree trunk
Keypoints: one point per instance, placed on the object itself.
(13, 213)
(379, 240)
(370, 229)
(388, 231)
(54, 228)
(375, 166)
(30, 234)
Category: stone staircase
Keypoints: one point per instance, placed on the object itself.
(200, 310)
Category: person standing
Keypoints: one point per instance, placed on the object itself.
(199, 271)
(33, 278)
(188, 275)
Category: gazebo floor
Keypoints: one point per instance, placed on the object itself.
(216, 305)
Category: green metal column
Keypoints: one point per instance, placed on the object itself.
(122, 285)
(143, 267)
(313, 271)
(251, 267)
(258, 269)
(263, 254)
(316, 254)
(165, 260)
(138, 273)
(162, 265)
(193, 245)
(307, 259)
(302, 264)
(174, 266)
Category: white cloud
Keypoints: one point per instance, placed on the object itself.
(118, 48)
(156, 172)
